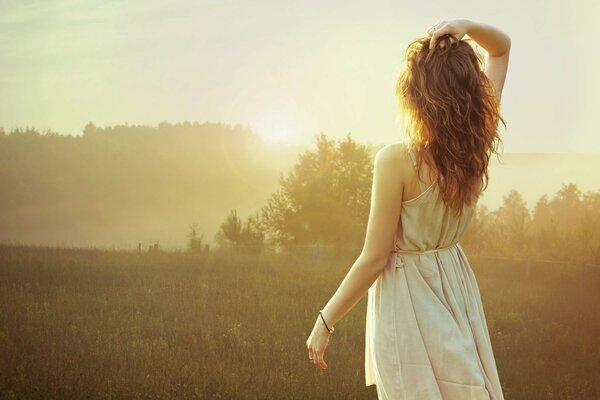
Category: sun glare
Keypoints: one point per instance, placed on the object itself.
(279, 128)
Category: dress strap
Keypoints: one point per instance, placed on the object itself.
(422, 186)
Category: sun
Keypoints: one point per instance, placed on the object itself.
(281, 126)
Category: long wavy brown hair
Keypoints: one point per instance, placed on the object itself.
(452, 115)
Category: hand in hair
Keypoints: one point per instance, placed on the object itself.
(456, 28)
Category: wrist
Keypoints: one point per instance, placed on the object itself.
(320, 325)
(325, 323)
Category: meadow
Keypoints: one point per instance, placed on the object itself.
(100, 324)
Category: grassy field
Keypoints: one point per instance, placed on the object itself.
(107, 325)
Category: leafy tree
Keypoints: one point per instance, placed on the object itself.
(324, 198)
(512, 222)
(480, 234)
(195, 242)
(568, 224)
(231, 229)
(89, 129)
(233, 232)
(588, 230)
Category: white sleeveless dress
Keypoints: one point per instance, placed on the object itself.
(426, 333)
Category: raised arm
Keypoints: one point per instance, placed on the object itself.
(495, 42)
(497, 45)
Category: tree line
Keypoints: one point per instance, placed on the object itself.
(124, 184)
(324, 201)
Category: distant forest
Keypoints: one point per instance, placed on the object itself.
(119, 186)
(207, 186)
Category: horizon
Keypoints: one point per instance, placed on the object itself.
(266, 140)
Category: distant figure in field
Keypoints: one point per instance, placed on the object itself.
(426, 332)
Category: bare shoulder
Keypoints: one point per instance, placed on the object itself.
(393, 163)
(393, 156)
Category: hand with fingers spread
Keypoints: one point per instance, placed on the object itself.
(457, 28)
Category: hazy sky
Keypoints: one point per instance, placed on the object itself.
(288, 69)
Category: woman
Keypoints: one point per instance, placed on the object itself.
(426, 333)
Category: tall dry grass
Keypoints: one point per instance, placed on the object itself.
(106, 325)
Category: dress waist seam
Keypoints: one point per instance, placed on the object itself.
(406, 251)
